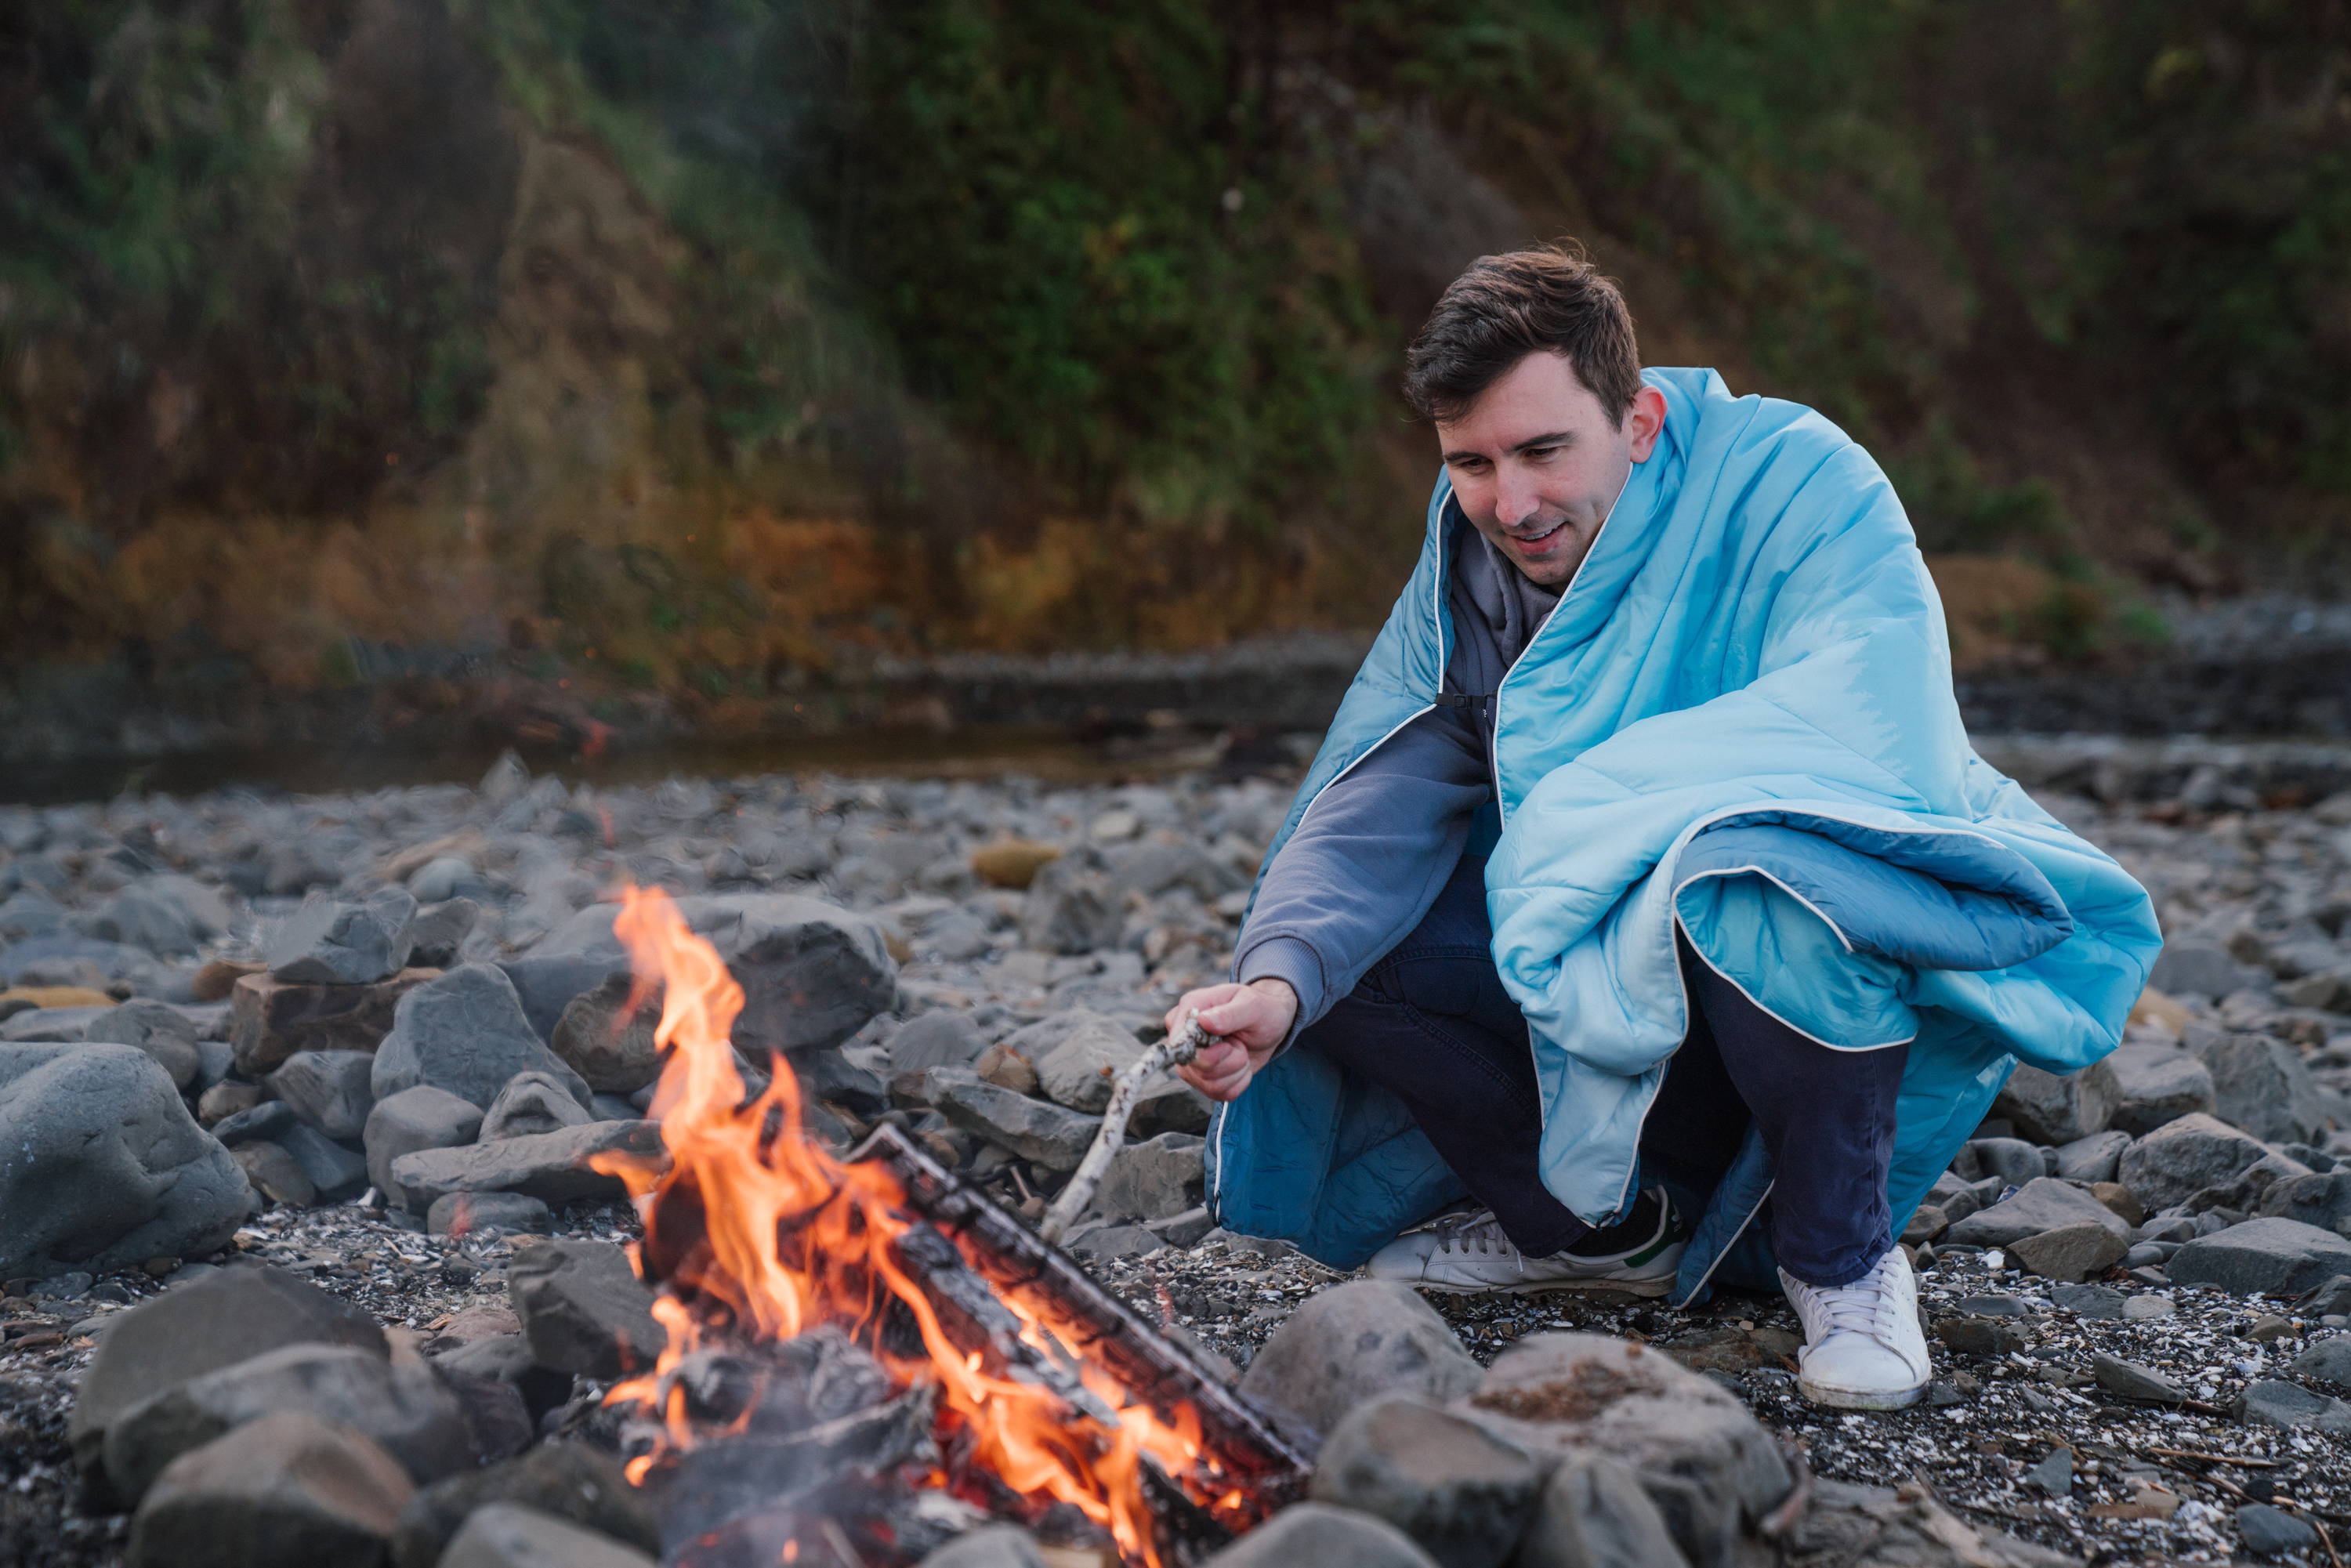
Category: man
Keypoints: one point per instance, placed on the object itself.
(1646, 886)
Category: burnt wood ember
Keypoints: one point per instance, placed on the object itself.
(1241, 1442)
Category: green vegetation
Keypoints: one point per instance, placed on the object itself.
(2073, 271)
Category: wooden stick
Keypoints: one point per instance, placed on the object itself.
(1175, 1050)
(2216, 1459)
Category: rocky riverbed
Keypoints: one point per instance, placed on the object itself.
(372, 1041)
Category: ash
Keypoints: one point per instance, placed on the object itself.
(2024, 1430)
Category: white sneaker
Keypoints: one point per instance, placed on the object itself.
(1467, 1253)
(1864, 1349)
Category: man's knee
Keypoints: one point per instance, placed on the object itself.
(1452, 982)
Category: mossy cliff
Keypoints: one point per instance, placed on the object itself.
(695, 349)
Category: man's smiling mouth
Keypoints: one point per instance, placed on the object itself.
(1525, 539)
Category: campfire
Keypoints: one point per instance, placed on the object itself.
(862, 1351)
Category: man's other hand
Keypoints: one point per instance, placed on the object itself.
(1244, 1024)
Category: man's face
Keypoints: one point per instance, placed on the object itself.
(1536, 463)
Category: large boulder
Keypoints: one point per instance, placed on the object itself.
(406, 1409)
(1711, 1469)
(1036, 1130)
(419, 1118)
(465, 1032)
(329, 1090)
(1447, 1480)
(102, 1168)
(200, 1327)
(2043, 1203)
(554, 1167)
(1354, 1343)
(1155, 1179)
(813, 973)
(270, 1019)
(286, 1491)
(327, 942)
(159, 1029)
(2184, 1156)
(2155, 1084)
(1316, 1536)
(509, 1535)
(2049, 1109)
(2259, 1083)
(533, 1103)
(583, 1310)
(2266, 1257)
(571, 1481)
(607, 1041)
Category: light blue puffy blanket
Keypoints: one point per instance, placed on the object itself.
(1738, 719)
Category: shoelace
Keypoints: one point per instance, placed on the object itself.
(1477, 1229)
(1865, 1307)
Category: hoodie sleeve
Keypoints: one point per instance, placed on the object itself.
(1367, 861)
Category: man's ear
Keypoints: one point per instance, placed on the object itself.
(1645, 420)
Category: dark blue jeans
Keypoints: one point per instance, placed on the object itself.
(1432, 1024)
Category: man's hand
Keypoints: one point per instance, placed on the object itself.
(1244, 1023)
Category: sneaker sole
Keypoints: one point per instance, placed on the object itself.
(1656, 1287)
(1860, 1398)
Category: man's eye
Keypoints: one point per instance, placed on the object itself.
(1543, 454)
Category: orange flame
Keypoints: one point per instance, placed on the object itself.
(791, 1238)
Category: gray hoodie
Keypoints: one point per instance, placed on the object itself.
(1377, 845)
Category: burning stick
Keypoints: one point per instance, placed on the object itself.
(1175, 1050)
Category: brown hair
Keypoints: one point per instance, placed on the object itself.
(1504, 308)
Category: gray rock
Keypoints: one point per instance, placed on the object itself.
(2047, 1109)
(2099, 1302)
(270, 1020)
(2262, 1256)
(189, 1329)
(332, 1170)
(1071, 906)
(813, 973)
(406, 1410)
(549, 983)
(944, 1036)
(532, 1102)
(329, 1090)
(2327, 1361)
(2042, 1204)
(1102, 1241)
(1047, 1134)
(2013, 1160)
(1352, 1343)
(265, 1120)
(463, 1213)
(1592, 1513)
(569, 1481)
(414, 1119)
(2198, 967)
(2248, 1190)
(2094, 1158)
(465, 1032)
(162, 1031)
(102, 1166)
(2321, 1200)
(2270, 1531)
(994, 1546)
(1169, 1105)
(2055, 1474)
(2155, 1084)
(2182, 1157)
(1156, 1179)
(1459, 1491)
(2073, 1253)
(2290, 1406)
(2259, 1083)
(1704, 1460)
(438, 932)
(330, 943)
(607, 1043)
(583, 1309)
(288, 1490)
(552, 1166)
(1315, 1535)
(508, 1535)
(2132, 1381)
(1077, 1053)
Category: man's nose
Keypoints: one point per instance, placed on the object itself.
(1515, 499)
